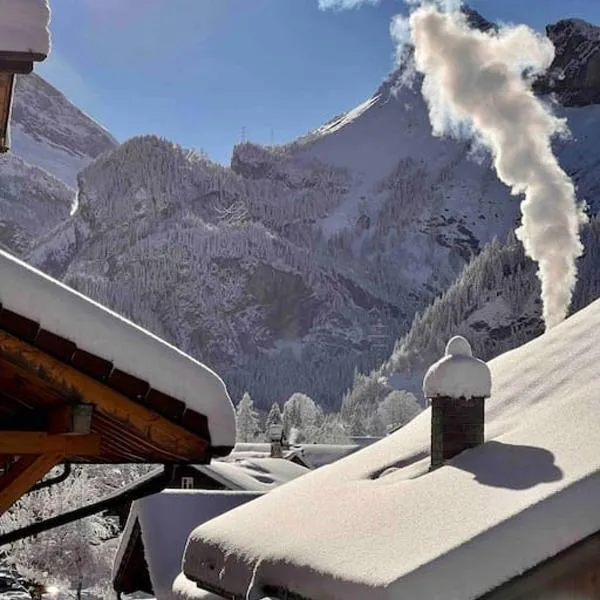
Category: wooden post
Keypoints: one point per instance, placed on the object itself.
(23, 475)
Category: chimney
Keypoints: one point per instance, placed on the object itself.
(276, 437)
(457, 386)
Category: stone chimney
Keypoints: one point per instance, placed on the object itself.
(457, 386)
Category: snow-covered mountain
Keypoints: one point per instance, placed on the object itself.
(299, 263)
(50, 132)
(52, 140)
(495, 303)
(283, 270)
(574, 76)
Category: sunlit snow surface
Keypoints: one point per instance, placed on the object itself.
(531, 491)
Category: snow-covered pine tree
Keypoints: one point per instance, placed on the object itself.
(246, 420)
(397, 409)
(300, 414)
(273, 417)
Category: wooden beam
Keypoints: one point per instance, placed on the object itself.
(23, 475)
(170, 438)
(40, 442)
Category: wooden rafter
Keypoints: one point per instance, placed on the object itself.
(23, 475)
(167, 437)
(36, 442)
(6, 94)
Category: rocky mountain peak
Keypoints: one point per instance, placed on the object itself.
(50, 132)
(574, 75)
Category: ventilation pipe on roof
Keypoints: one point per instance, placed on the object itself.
(457, 386)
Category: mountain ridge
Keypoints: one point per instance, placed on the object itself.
(297, 264)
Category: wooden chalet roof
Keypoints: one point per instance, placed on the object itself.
(40, 370)
(76, 352)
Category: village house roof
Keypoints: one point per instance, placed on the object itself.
(149, 555)
(313, 455)
(24, 27)
(252, 474)
(165, 521)
(151, 402)
(24, 39)
(377, 524)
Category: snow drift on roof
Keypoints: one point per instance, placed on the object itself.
(102, 332)
(166, 520)
(316, 455)
(345, 532)
(458, 374)
(24, 26)
(253, 474)
(184, 589)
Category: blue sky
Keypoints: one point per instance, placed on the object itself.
(198, 71)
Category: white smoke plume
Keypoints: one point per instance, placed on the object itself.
(477, 79)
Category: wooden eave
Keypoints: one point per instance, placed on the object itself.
(11, 64)
(40, 371)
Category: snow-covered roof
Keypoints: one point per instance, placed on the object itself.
(24, 26)
(166, 520)
(99, 331)
(316, 455)
(252, 474)
(458, 374)
(378, 525)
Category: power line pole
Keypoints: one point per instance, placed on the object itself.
(244, 135)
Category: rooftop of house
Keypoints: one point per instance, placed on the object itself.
(24, 26)
(60, 333)
(163, 523)
(314, 455)
(252, 474)
(378, 524)
(166, 520)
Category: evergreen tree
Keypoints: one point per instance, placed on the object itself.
(300, 415)
(246, 420)
(397, 409)
(273, 417)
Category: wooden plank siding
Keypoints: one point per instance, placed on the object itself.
(574, 574)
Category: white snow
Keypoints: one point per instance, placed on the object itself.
(184, 589)
(458, 374)
(95, 329)
(252, 474)
(24, 26)
(315, 455)
(166, 520)
(531, 491)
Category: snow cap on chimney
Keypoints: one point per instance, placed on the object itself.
(458, 374)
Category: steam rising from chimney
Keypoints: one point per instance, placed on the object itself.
(477, 79)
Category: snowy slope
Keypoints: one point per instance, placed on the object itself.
(52, 141)
(370, 525)
(328, 246)
(32, 201)
(48, 131)
(283, 270)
